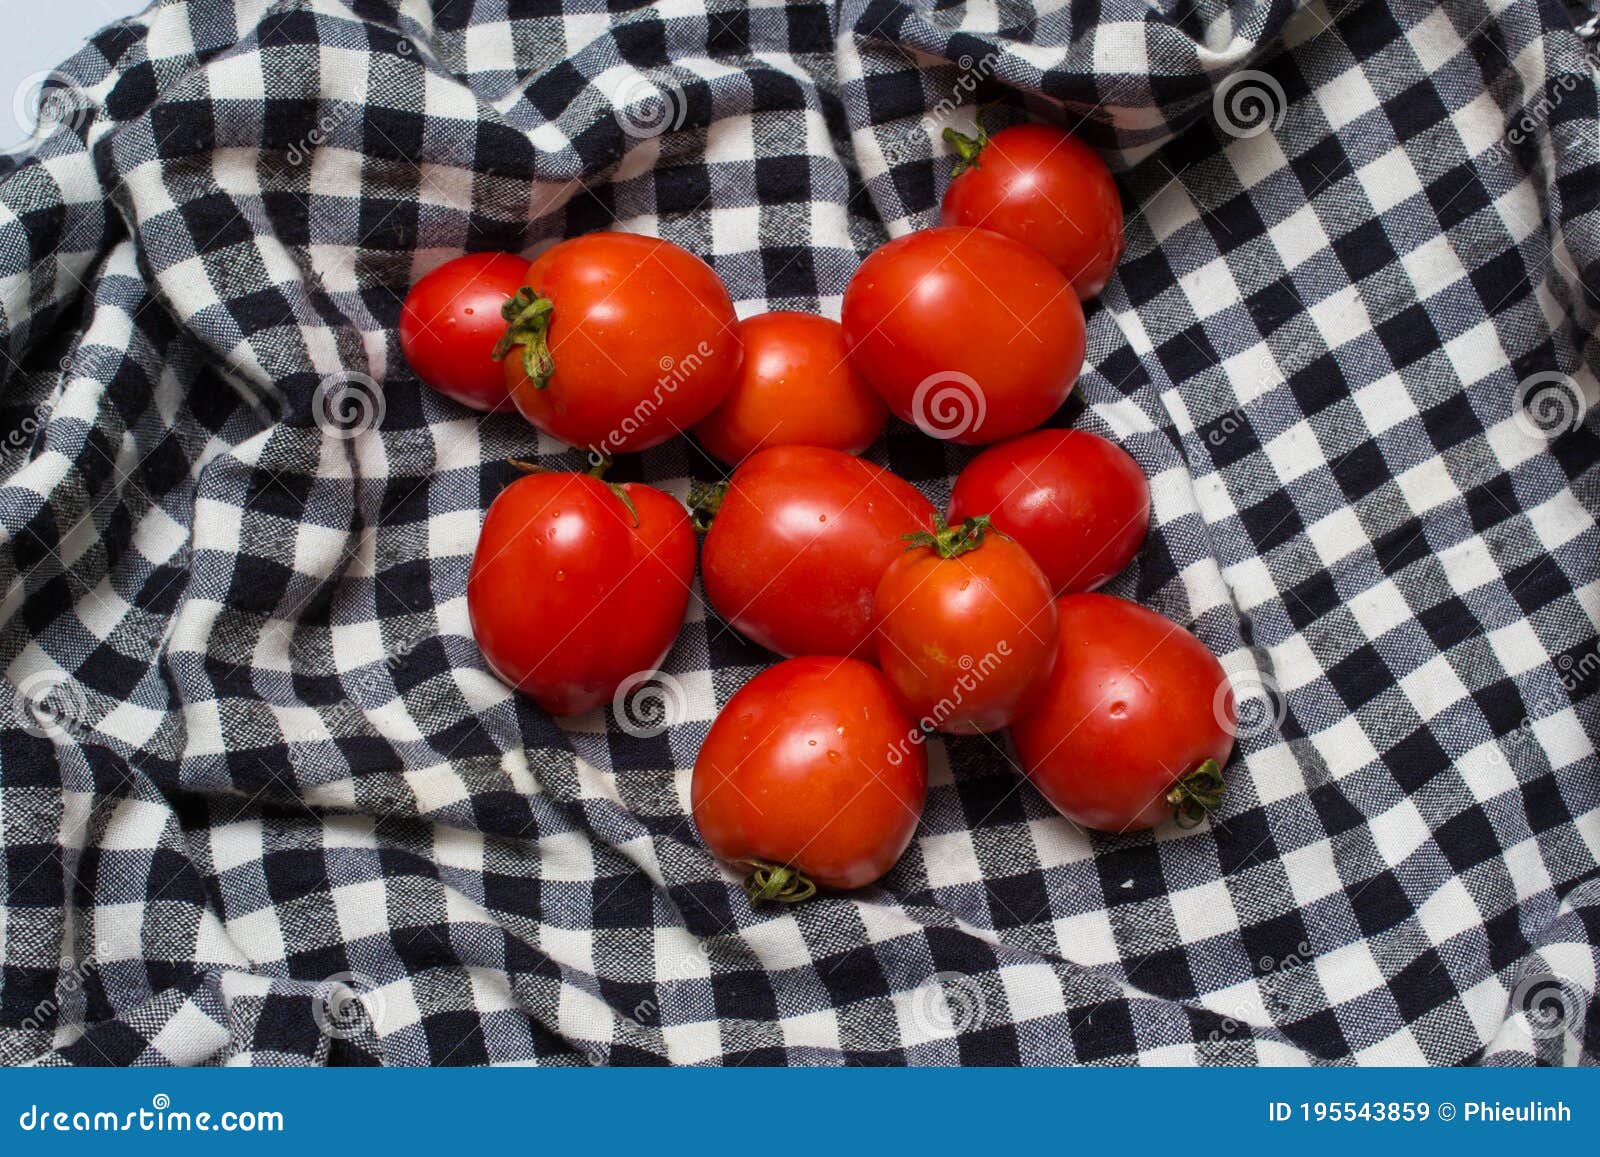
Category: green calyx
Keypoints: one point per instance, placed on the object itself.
(599, 464)
(950, 541)
(769, 881)
(1197, 794)
(705, 499)
(527, 313)
(967, 148)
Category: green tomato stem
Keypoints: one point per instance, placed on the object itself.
(528, 315)
(1197, 794)
(951, 541)
(780, 882)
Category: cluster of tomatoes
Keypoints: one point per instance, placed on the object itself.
(895, 619)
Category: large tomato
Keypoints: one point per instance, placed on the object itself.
(618, 342)
(812, 775)
(1137, 721)
(796, 389)
(450, 323)
(801, 537)
(970, 336)
(966, 628)
(1076, 502)
(1045, 188)
(576, 585)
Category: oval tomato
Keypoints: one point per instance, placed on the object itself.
(619, 342)
(450, 323)
(1077, 503)
(970, 336)
(576, 585)
(811, 775)
(796, 389)
(966, 628)
(1136, 723)
(801, 537)
(1041, 186)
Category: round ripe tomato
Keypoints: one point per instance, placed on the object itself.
(969, 335)
(618, 342)
(450, 322)
(812, 775)
(1136, 723)
(801, 537)
(1045, 188)
(1076, 502)
(796, 389)
(576, 585)
(966, 628)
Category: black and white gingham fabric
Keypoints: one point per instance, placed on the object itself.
(260, 801)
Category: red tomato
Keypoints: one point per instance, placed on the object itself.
(1045, 188)
(966, 628)
(796, 389)
(812, 775)
(451, 321)
(1136, 723)
(1076, 502)
(622, 341)
(571, 591)
(969, 335)
(801, 537)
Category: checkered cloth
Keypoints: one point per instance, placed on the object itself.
(262, 802)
